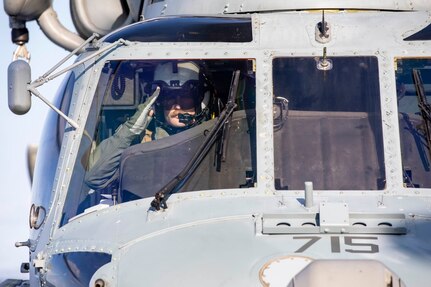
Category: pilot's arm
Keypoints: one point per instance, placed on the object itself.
(105, 159)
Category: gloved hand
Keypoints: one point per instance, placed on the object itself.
(140, 120)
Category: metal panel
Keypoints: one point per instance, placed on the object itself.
(333, 218)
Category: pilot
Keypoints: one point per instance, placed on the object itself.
(183, 99)
(178, 100)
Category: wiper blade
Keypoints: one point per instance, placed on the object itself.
(178, 181)
(221, 147)
(423, 105)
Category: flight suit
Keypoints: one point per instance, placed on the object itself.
(104, 160)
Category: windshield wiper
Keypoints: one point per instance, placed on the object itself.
(424, 107)
(221, 146)
(178, 181)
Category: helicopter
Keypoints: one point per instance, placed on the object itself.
(309, 163)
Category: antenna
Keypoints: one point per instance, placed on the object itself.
(323, 26)
(323, 30)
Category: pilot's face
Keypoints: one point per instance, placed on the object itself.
(178, 105)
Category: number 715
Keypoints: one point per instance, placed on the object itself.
(354, 244)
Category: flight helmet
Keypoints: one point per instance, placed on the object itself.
(181, 83)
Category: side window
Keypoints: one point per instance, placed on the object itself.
(413, 78)
(50, 145)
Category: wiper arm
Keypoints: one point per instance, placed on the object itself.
(423, 105)
(174, 184)
(221, 147)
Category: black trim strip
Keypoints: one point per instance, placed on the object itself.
(187, 29)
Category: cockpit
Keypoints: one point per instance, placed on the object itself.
(327, 129)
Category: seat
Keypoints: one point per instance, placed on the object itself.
(414, 151)
(334, 150)
(146, 168)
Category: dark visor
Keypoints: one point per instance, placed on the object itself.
(185, 95)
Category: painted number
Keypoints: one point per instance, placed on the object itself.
(352, 244)
(311, 241)
(362, 247)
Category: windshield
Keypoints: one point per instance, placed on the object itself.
(147, 121)
(412, 110)
(327, 124)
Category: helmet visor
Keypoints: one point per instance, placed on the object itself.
(185, 96)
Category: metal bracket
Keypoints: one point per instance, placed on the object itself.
(334, 217)
(39, 261)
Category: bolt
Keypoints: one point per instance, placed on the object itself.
(99, 283)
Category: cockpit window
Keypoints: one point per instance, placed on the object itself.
(413, 78)
(151, 121)
(327, 124)
(50, 145)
